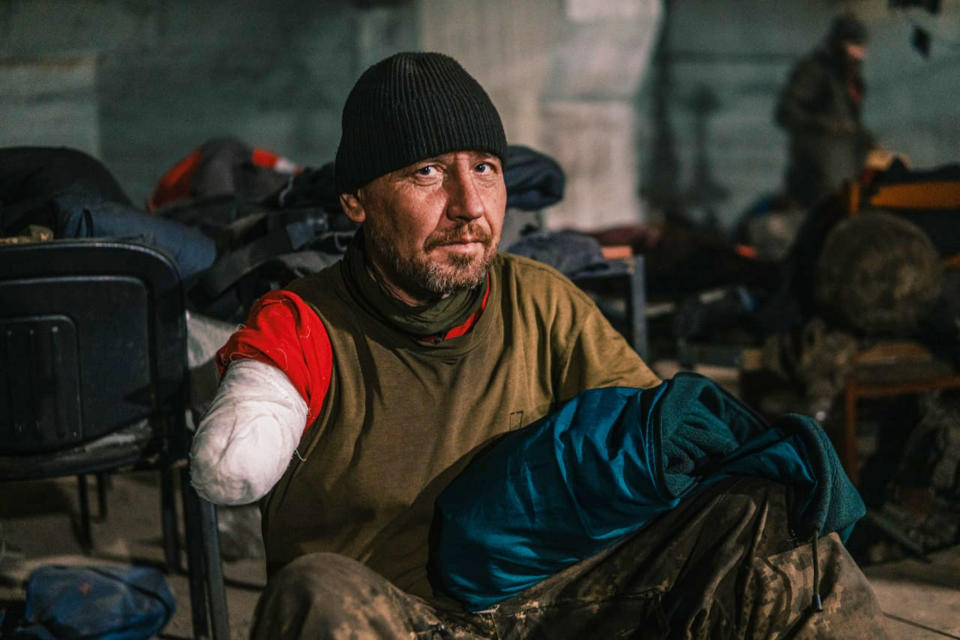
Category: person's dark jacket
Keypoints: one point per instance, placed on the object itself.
(820, 107)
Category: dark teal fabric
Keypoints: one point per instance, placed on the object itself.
(605, 464)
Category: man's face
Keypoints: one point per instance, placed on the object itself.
(432, 228)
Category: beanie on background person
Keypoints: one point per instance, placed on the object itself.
(847, 27)
(409, 107)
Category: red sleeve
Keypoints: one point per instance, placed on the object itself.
(283, 331)
(175, 184)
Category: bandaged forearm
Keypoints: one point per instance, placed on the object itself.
(248, 435)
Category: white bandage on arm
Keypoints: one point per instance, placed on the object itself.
(248, 435)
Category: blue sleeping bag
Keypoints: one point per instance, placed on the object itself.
(604, 465)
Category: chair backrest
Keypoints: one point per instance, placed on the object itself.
(92, 338)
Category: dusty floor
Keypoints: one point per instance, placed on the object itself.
(38, 520)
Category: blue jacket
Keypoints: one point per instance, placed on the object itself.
(604, 465)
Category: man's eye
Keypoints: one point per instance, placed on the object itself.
(428, 170)
(484, 167)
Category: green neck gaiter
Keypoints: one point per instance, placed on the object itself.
(427, 320)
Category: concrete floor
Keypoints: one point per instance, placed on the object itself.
(38, 523)
(921, 599)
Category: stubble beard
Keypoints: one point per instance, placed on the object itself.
(427, 273)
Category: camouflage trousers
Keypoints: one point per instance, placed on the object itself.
(721, 565)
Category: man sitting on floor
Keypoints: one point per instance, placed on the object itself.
(353, 397)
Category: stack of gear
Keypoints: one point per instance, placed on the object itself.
(273, 221)
(878, 274)
(928, 199)
(222, 167)
(572, 253)
(64, 193)
(238, 220)
(868, 264)
(264, 215)
(870, 277)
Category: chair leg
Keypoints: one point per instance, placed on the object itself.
(219, 614)
(637, 302)
(849, 453)
(168, 514)
(86, 539)
(195, 567)
(102, 480)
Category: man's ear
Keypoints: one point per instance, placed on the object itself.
(352, 207)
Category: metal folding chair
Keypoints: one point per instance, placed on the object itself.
(93, 379)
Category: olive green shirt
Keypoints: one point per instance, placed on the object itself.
(402, 416)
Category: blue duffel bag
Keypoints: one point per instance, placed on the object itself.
(102, 603)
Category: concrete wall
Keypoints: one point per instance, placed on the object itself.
(141, 83)
(564, 75)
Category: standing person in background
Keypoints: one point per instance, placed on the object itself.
(820, 107)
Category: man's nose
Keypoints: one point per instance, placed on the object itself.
(464, 197)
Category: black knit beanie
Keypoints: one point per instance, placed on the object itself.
(408, 107)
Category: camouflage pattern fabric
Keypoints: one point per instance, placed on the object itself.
(817, 356)
(721, 565)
